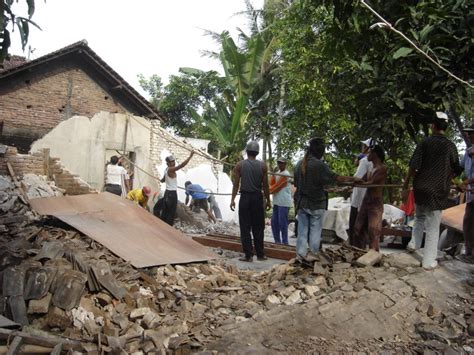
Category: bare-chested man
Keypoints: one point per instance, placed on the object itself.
(368, 226)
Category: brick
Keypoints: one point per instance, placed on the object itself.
(40, 306)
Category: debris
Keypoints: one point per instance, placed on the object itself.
(371, 258)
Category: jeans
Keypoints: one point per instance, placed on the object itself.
(280, 224)
(252, 223)
(428, 221)
(310, 225)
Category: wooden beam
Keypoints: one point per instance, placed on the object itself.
(14, 347)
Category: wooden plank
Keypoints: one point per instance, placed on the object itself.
(124, 228)
(42, 340)
(14, 347)
(453, 217)
(276, 253)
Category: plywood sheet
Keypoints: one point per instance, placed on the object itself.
(124, 228)
(452, 217)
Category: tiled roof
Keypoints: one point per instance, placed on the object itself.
(120, 89)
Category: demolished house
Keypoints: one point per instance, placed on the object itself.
(74, 104)
(87, 272)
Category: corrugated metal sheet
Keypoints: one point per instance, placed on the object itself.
(124, 228)
(452, 217)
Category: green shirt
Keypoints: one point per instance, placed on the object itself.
(310, 192)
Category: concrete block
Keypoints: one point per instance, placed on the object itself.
(370, 258)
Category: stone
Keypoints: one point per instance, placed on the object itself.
(320, 281)
(103, 298)
(57, 318)
(151, 320)
(40, 306)
(341, 266)
(294, 298)
(110, 330)
(272, 301)
(347, 288)
(139, 312)
(287, 291)
(319, 270)
(311, 290)
(432, 311)
(132, 347)
(370, 258)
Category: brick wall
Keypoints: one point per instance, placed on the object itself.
(36, 102)
(40, 163)
(160, 140)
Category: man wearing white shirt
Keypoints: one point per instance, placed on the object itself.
(358, 193)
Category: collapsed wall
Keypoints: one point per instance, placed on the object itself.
(40, 163)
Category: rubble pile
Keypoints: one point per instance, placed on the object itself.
(59, 281)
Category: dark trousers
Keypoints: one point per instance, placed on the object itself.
(280, 224)
(252, 220)
(368, 226)
(352, 221)
(114, 189)
(169, 207)
(468, 228)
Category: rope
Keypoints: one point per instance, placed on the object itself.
(419, 50)
(159, 180)
(180, 144)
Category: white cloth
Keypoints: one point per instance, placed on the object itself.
(171, 183)
(283, 197)
(336, 217)
(115, 174)
(358, 193)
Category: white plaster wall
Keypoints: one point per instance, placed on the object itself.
(81, 144)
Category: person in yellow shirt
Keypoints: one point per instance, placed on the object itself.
(140, 196)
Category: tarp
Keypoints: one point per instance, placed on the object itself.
(124, 228)
(452, 217)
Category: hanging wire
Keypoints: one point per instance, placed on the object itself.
(387, 24)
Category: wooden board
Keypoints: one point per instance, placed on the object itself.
(124, 228)
(452, 217)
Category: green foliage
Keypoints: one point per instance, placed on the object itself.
(347, 82)
(9, 20)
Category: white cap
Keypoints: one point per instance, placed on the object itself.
(367, 142)
(442, 116)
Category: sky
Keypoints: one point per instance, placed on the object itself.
(140, 37)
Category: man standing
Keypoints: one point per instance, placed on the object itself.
(199, 198)
(171, 193)
(311, 176)
(433, 164)
(368, 225)
(364, 166)
(115, 176)
(251, 176)
(140, 196)
(281, 190)
(468, 185)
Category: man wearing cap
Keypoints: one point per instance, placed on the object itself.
(365, 167)
(171, 193)
(433, 164)
(468, 185)
(140, 196)
(312, 174)
(281, 190)
(199, 198)
(251, 176)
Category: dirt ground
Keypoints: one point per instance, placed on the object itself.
(373, 310)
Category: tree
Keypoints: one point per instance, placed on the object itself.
(347, 81)
(9, 20)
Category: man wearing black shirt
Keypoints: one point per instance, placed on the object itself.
(434, 163)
